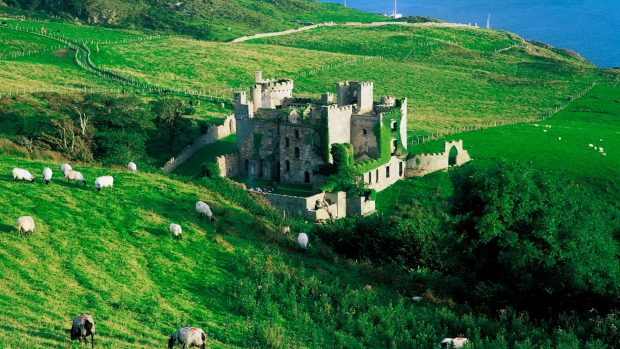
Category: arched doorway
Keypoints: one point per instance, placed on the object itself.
(306, 177)
(452, 156)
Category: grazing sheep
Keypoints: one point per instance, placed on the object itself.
(535, 125)
(83, 326)
(303, 241)
(604, 154)
(104, 182)
(204, 209)
(19, 174)
(456, 343)
(175, 230)
(286, 230)
(545, 131)
(132, 167)
(591, 145)
(64, 168)
(47, 175)
(601, 150)
(559, 138)
(25, 224)
(188, 337)
(75, 176)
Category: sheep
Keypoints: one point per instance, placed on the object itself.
(104, 182)
(303, 241)
(132, 167)
(75, 176)
(83, 326)
(601, 150)
(559, 138)
(175, 230)
(64, 168)
(456, 343)
(545, 131)
(25, 224)
(22, 175)
(204, 209)
(47, 175)
(591, 145)
(188, 337)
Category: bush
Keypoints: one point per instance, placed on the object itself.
(524, 237)
(210, 170)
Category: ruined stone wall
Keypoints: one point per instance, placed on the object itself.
(299, 154)
(423, 164)
(385, 175)
(363, 137)
(228, 164)
(360, 206)
(214, 133)
(257, 144)
(295, 205)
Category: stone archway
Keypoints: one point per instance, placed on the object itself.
(452, 156)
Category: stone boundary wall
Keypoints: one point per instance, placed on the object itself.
(337, 205)
(423, 164)
(356, 24)
(214, 133)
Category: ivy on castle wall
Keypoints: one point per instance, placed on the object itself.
(384, 134)
(258, 143)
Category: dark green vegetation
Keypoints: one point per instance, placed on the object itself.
(504, 253)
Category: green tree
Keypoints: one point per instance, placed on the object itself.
(169, 113)
(121, 124)
(524, 237)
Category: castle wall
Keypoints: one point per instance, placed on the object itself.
(307, 160)
(363, 137)
(229, 165)
(403, 123)
(385, 175)
(257, 144)
(423, 164)
(338, 124)
(360, 206)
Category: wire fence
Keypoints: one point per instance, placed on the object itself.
(442, 134)
(26, 53)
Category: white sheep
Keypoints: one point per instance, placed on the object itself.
(25, 224)
(303, 241)
(104, 182)
(64, 168)
(175, 230)
(455, 343)
(591, 145)
(47, 175)
(559, 138)
(74, 176)
(204, 209)
(535, 125)
(132, 167)
(19, 174)
(545, 131)
(604, 154)
(83, 327)
(188, 337)
(601, 150)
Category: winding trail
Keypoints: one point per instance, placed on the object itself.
(350, 24)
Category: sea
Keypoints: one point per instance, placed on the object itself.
(589, 27)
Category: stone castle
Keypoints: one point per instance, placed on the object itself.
(285, 140)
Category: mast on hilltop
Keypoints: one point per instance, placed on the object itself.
(489, 21)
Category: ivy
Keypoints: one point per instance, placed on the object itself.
(258, 142)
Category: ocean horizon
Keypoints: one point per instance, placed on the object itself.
(589, 27)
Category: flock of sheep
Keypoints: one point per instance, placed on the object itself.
(187, 337)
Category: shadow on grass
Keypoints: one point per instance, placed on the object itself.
(5, 228)
(72, 185)
(160, 232)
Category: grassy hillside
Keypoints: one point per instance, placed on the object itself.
(213, 20)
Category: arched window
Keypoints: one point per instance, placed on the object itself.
(296, 134)
(287, 142)
(306, 177)
(377, 176)
(297, 152)
(369, 177)
(387, 171)
(452, 156)
(364, 132)
(400, 169)
(287, 165)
